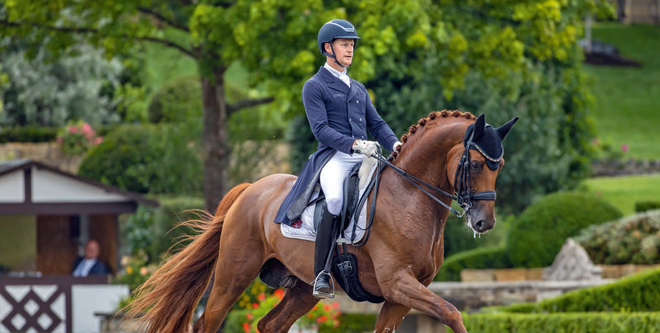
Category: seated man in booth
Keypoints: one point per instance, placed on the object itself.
(89, 264)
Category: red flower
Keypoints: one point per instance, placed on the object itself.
(246, 327)
(279, 293)
(261, 297)
(321, 319)
(250, 316)
(327, 308)
(255, 305)
(335, 305)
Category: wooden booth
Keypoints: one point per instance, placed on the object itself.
(46, 217)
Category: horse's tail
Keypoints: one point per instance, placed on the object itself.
(169, 297)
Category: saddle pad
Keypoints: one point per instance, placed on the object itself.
(304, 229)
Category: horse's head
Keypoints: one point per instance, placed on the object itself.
(473, 168)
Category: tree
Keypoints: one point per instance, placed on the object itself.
(275, 40)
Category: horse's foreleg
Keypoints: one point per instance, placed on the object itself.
(390, 317)
(296, 302)
(407, 291)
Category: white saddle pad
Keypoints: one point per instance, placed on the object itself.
(305, 230)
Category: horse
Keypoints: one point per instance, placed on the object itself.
(399, 261)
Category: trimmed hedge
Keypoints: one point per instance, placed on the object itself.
(631, 240)
(537, 235)
(643, 206)
(637, 292)
(28, 134)
(562, 322)
(479, 258)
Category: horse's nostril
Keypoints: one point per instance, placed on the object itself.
(479, 225)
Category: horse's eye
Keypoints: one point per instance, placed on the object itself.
(475, 165)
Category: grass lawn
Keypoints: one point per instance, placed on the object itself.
(628, 99)
(623, 192)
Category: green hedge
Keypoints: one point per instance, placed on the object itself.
(630, 240)
(637, 292)
(643, 206)
(479, 258)
(537, 235)
(146, 159)
(28, 134)
(349, 323)
(563, 322)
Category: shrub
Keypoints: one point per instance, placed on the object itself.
(562, 322)
(643, 206)
(153, 230)
(631, 240)
(479, 258)
(460, 238)
(28, 134)
(178, 101)
(146, 159)
(76, 139)
(633, 293)
(537, 235)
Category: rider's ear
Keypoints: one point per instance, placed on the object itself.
(479, 126)
(502, 131)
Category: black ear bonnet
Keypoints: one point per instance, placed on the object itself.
(488, 140)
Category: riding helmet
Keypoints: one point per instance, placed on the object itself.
(335, 29)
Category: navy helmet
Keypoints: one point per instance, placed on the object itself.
(335, 29)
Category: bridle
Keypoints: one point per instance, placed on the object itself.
(464, 195)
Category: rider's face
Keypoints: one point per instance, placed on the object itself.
(343, 50)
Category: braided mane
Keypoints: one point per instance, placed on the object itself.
(432, 117)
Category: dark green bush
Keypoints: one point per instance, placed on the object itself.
(177, 101)
(643, 206)
(153, 230)
(479, 258)
(146, 159)
(537, 235)
(28, 134)
(637, 292)
(562, 322)
(631, 240)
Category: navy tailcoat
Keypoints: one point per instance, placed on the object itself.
(338, 116)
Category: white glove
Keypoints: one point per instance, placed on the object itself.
(366, 148)
(396, 144)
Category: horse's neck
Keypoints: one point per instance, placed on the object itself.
(424, 156)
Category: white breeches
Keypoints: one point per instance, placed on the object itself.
(332, 179)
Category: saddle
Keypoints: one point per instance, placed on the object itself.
(344, 264)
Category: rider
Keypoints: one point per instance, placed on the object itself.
(340, 112)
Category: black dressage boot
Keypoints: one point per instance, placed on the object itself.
(325, 239)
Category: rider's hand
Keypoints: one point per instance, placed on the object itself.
(366, 148)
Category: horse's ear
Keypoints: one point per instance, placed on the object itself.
(479, 126)
(502, 131)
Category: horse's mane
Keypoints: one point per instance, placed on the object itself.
(432, 117)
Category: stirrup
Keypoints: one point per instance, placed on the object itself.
(322, 294)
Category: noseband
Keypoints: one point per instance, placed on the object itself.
(464, 195)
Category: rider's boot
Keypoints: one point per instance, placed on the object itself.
(325, 238)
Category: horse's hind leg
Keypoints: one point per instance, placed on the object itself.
(236, 268)
(297, 301)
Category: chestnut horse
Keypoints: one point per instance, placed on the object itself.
(398, 262)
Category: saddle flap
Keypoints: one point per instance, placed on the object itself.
(351, 195)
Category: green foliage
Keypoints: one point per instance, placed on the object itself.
(154, 231)
(563, 322)
(459, 238)
(28, 134)
(634, 293)
(348, 323)
(44, 92)
(479, 258)
(302, 141)
(646, 205)
(135, 271)
(146, 158)
(177, 102)
(631, 240)
(538, 233)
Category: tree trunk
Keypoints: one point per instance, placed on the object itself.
(216, 144)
